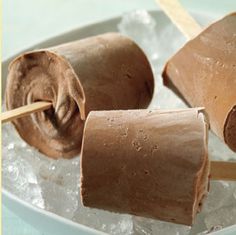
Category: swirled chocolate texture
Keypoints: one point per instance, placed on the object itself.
(147, 163)
(203, 72)
(104, 72)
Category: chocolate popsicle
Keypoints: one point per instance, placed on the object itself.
(147, 163)
(104, 72)
(203, 73)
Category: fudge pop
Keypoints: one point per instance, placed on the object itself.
(103, 72)
(147, 163)
(203, 73)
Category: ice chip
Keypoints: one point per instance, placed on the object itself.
(221, 194)
(112, 223)
(141, 27)
(149, 226)
(224, 216)
(19, 178)
(57, 200)
(169, 228)
(10, 146)
(222, 151)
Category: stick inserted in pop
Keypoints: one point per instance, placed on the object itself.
(203, 71)
(25, 110)
(223, 170)
(180, 17)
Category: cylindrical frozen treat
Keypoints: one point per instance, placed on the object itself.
(203, 72)
(147, 163)
(103, 72)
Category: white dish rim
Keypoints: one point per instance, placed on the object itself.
(230, 230)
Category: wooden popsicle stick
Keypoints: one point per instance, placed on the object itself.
(24, 111)
(223, 170)
(180, 17)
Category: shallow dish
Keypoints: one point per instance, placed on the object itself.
(42, 219)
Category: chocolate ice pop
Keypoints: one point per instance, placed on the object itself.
(147, 163)
(203, 72)
(104, 72)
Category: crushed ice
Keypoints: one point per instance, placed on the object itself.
(54, 184)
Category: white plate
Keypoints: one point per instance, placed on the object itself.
(44, 220)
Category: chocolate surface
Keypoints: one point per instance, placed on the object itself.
(147, 163)
(204, 73)
(98, 73)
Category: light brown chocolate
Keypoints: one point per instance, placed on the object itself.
(104, 72)
(147, 163)
(203, 72)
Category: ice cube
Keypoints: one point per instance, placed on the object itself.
(63, 172)
(112, 223)
(165, 98)
(19, 178)
(142, 226)
(220, 194)
(198, 225)
(234, 194)
(146, 226)
(219, 150)
(141, 27)
(213, 229)
(160, 227)
(58, 200)
(10, 146)
(224, 216)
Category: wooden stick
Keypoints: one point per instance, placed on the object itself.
(180, 17)
(24, 111)
(223, 170)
